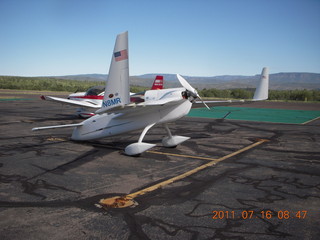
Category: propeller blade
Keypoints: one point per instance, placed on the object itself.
(186, 85)
(203, 102)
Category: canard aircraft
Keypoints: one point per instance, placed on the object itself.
(117, 115)
(93, 98)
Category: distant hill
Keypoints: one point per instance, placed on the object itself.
(84, 77)
(278, 81)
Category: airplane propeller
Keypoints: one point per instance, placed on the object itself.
(192, 90)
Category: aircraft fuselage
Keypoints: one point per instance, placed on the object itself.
(107, 125)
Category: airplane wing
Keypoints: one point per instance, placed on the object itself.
(122, 112)
(72, 102)
(199, 104)
(58, 126)
(260, 94)
(134, 109)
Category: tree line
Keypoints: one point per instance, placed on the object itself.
(287, 95)
(53, 84)
(45, 83)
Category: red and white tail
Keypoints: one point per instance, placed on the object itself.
(158, 83)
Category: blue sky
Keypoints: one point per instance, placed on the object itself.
(196, 38)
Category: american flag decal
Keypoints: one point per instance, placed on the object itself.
(121, 55)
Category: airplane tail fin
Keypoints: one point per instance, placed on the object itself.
(262, 91)
(117, 90)
(158, 83)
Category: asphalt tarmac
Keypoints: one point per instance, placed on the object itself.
(51, 186)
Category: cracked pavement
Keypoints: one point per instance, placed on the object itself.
(50, 185)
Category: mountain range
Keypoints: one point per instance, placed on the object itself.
(278, 81)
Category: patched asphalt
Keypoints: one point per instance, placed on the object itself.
(50, 186)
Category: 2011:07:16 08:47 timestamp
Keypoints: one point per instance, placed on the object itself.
(264, 214)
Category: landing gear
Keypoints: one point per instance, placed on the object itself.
(139, 147)
(172, 141)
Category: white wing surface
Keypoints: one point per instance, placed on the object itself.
(143, 108)
(72, 102)
(58, 126)
(261, 93)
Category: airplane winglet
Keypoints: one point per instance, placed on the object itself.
(262, 91)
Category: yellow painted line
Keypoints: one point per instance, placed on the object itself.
(310, 121)
(181, 155)
(186, 174)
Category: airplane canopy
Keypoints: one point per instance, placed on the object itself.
(95, 91)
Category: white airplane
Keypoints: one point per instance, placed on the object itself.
(93, 98)
(118, 115)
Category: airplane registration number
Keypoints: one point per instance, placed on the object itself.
(111, 102)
